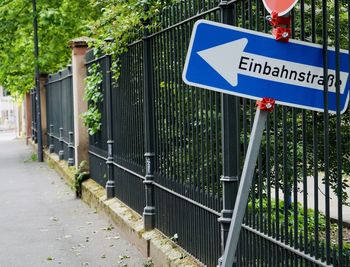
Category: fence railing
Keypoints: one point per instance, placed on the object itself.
(60, 119)
(33, 115)
(194, 142)
(127, 129)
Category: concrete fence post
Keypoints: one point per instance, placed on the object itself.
(81, 138)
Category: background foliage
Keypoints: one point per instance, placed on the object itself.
(58, 21)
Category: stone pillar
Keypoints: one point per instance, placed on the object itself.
(81, 138)
(43, 81)
(23, 119)
(16, 111)
(18, 115)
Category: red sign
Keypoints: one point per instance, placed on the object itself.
(282, 7)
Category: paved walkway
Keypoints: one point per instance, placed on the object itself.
(43, 224)
(333, 202)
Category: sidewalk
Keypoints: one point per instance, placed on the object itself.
(333, 201)
(43, 224)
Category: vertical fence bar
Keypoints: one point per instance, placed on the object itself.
(51, 144)
(338, 139)
(48, 112)
(35, 125)
(110, 185)
(32, 102)
(61, 152)
(230, 136)
(326, 128)
(149, 210)
(60, 116)
(315, 148)
(70, 149)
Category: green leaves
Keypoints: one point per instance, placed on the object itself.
(58, 20)
(92, 120)
(94, 96)
(121, 21)
(93, 83)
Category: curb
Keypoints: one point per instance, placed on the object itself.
(152, 244)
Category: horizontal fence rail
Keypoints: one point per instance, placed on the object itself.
(127, 112)
(60, 121)
(295, 212)
(188, 141)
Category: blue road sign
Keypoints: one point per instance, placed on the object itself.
(250, 64)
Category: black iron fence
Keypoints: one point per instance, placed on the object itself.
(126, 122)
(194, 142)
(33, 115)
(60, 119)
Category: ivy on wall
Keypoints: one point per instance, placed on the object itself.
(94, 96)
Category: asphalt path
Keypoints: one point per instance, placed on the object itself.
(43, 224)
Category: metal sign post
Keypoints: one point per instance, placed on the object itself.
(264, 107)
(37, 85)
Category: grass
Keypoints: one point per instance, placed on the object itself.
(148, 263)
(33, 158)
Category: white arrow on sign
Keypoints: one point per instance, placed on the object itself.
(229, 60)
